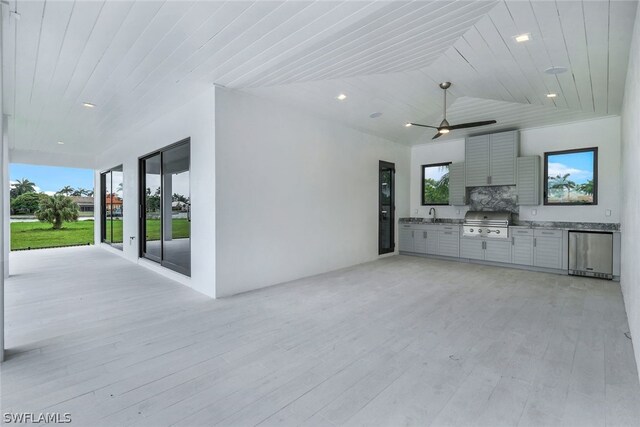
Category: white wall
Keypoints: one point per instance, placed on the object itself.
(195, 119)
(602, 133)
(296, 195)
(630, 276)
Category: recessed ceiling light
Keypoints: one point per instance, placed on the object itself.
(522, 37)
(341, 97)
(375, 115)
(408, 125)
(60, 143)
(552, 95)
(556, 70)
(88, 105)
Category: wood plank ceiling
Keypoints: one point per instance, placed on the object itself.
(136, 60)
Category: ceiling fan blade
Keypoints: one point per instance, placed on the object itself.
(424, 126)
(437, 135)
(472, 124)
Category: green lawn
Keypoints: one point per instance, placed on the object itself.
(40, 235)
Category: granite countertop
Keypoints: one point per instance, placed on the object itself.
(559, 225)
(563, 225)
(413, 220)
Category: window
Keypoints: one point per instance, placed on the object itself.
(571, 177)
(435, 184)
(111, 183)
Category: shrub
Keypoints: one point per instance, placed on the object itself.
(57, 209)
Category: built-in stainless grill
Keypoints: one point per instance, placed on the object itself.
(487, 224)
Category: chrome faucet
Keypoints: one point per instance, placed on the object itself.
(434, 213)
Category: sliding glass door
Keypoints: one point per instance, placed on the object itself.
(165, 221)
(111, 194)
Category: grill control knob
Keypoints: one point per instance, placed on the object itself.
(497, 231)
(479, 230)
(471, 230)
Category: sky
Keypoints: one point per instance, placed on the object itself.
(579, 165)
(50, 179)
(436, 172)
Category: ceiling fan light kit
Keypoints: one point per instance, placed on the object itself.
(445, 127)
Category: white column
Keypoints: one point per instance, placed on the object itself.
(3, 189)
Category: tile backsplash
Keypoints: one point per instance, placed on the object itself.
(498, 198)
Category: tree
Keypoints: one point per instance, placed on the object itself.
(27, 203)
(437, 192)
(562, 183)
(57, 209)
(586, 188)
(23, 186)
(66, 190)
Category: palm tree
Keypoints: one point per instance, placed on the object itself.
(562, 182)
(23, 186)
(586, 188)
(57, 209)
(66, 190)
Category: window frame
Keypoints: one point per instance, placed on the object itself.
(422, 195)
(103, 206)
(545, 181)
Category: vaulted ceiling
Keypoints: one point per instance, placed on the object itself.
(136, 60)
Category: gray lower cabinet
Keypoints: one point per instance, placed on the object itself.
(522, 249)
(486, 249)
(405, 238)
(418, 239)
(497, 250)
(457, 188)
(547, 251)
(449, 243)
(472, 248)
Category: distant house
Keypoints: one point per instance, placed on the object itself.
(85, 203)
(113, 204)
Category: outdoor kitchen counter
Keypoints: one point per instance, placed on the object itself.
(582, 226)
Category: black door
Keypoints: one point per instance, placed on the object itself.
(386, 207)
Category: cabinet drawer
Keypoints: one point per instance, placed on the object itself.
(547, 233)
(521, 231)
(406, 225)
(450, 228)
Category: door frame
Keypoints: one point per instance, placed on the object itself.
(142, 206)
(381, 166)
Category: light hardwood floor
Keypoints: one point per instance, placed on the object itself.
(400, 341)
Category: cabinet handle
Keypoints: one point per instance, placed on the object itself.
(424, 235)
(412, 233)
(534, 242)
(513, 241)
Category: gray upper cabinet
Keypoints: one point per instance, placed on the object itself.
(528, 180)
(491, 159)
(476, 160)
(457, 189)
(503, 151)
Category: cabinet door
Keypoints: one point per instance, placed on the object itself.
(528, 180)
(547, 252)
(432, 242)
(522, 250)
(449, 243)
(405, 238)
(503, 151)
(471, 248)
(420, 241)
(457, 189)
(476, 161)
(498, 250)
